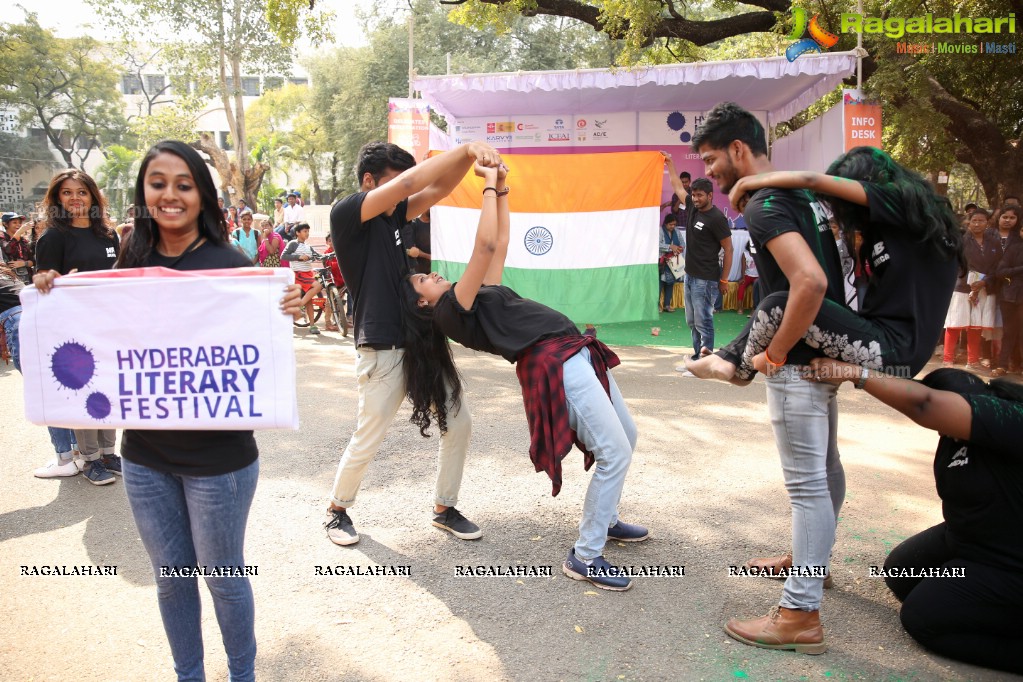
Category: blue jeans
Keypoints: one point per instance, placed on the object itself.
(9, 321)
(804, 415)
(63, 439)
(700, 297)
(198, 521)
(606, 428)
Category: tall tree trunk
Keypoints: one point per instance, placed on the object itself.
(998, 162)
(246, 183)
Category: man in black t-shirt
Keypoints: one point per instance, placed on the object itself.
(794, 250)
(365, 229)
(707, 234)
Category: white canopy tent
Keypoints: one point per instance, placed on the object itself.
(776, 86)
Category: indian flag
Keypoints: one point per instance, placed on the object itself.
(583, 232)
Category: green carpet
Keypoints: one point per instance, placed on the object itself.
(674, 331)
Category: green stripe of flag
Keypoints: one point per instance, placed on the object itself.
(587, 295)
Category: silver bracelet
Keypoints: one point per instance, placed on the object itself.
(864, 375)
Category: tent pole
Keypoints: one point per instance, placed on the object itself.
(410, 69)
(859, 50)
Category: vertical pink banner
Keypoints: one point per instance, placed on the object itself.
(408, 125)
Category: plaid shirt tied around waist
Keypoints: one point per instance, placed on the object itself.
(540, 370)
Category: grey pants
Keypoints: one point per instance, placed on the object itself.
(94, 443)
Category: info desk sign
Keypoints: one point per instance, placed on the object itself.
(153, 348)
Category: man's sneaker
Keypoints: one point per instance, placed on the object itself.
(97, 473)
(340, 528)
(627, 532)
(56, 469)
(112, 464)
(452, 521)
(599, 572)
(313, 329)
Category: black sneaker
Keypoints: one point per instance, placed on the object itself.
(340, 528)
(97, 474)
(452, 521)
(112, 463)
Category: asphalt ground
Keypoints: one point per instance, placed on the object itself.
(705, 479)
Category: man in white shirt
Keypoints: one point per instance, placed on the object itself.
(293, 215)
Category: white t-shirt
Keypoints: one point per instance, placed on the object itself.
(294, 214)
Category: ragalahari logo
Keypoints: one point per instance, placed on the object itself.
(819, 38)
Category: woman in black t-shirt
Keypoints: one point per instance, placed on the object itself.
(569, 394)
(77, 238)
(961, 582)
(190, 491)
(913, 247)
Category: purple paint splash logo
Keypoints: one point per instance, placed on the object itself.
(73, 366)
(677, 122)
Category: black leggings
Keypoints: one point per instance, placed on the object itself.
(836, 332)
(974, 618)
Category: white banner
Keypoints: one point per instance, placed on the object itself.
(167, 350)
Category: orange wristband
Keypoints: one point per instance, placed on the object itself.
(771, 362)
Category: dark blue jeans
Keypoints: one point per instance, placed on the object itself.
(700, 297)
(189, 521)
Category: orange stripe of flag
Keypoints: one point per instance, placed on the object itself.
(569, 183)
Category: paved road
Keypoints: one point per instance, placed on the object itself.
(705, 479)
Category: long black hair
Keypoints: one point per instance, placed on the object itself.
(57, 217)
(146, 235)
(966, 383)
(428, 365)
(928, 215)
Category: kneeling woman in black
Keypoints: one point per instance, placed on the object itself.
(971, 614)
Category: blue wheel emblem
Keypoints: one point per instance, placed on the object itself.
(539, 240)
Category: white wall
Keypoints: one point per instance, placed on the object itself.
(814, 146)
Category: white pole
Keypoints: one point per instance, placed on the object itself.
(859, 50)
(410, 54)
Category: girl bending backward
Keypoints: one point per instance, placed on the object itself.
(569, 393)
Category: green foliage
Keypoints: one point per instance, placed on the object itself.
(176, 121)
(20, 154)
(116, 177)
(60, 86)
(268, 191)
(351, 86)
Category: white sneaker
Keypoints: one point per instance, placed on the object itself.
(56, 470)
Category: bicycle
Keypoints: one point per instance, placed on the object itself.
(337, 295)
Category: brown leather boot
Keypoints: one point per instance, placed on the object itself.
(776, 564)
(781, 628)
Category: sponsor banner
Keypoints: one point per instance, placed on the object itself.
(408, 125)
(153, 348)
(602, 130)
(550, 132)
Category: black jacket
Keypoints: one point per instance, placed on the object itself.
(1010, 272)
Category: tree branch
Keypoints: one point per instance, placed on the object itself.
(696, 32)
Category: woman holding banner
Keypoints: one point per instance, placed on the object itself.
(190, 491)
(77, 239)
(568, 390)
